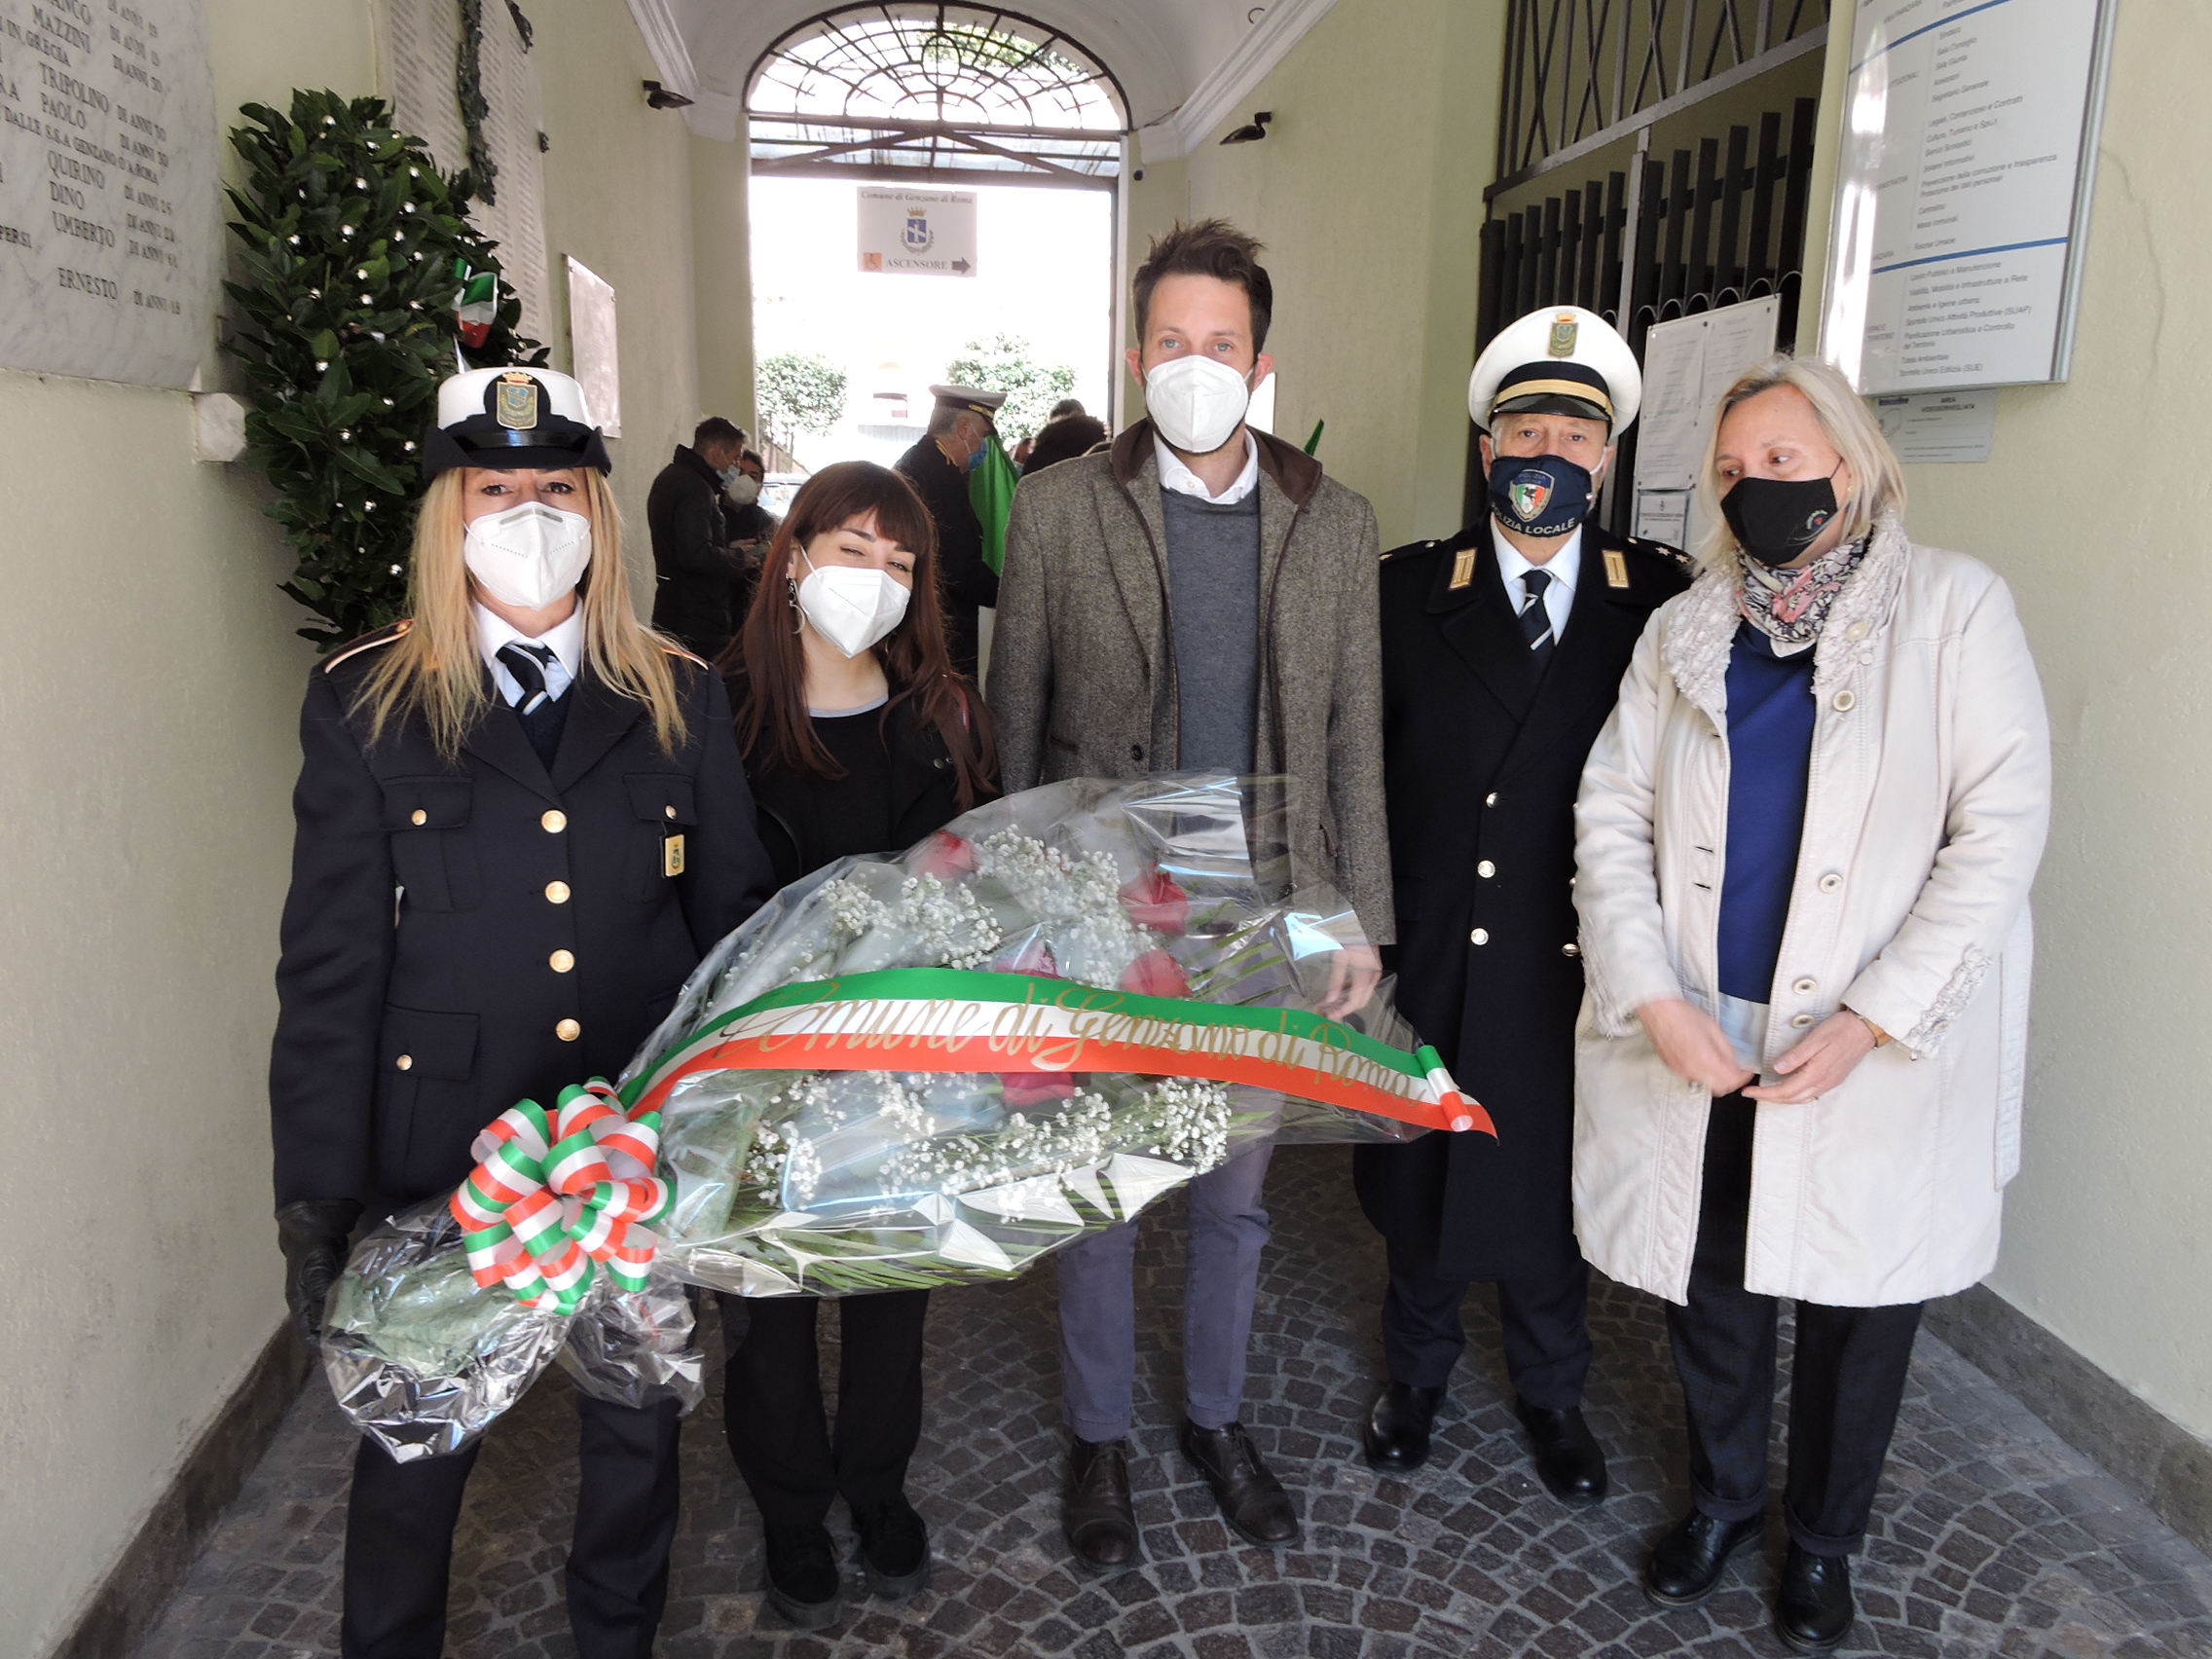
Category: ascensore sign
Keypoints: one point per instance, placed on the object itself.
(917, 233)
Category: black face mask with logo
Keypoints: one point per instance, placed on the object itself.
(1776, 519)
(1539, 495)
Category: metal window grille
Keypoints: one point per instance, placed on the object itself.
(931, 93)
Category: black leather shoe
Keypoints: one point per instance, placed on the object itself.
(895, 1549)
(803, 1575)
(1252, 1501)
(1096, 1514)
(1685, 1566)
(1569, 1462)
(1813, 1609)
(1395, 1436)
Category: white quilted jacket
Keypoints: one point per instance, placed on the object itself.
(1925, 817)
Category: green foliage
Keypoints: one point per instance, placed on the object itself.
(1002, 364)
(351, 238)
(798, 391)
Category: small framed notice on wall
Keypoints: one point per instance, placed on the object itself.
(1969, 138)
(591, 346)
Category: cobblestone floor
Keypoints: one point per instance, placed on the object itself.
(1991, 1536)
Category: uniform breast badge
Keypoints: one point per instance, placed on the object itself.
(672, 856)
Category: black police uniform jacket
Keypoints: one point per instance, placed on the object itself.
(1483, 758)
(965, 583)
(419, 994)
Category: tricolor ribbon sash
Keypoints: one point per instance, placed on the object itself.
(553, 1193)
(951, 1019)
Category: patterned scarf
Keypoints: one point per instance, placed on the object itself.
(1790, 607)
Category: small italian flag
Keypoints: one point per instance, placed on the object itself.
(477, 306)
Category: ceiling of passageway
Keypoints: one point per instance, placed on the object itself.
(1160, 50)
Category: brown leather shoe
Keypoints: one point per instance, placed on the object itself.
(1252, 1501)
(1101, 1525)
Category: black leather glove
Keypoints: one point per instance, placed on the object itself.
(312, 1234)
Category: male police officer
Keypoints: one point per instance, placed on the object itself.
(961, 432)
(1502, 653)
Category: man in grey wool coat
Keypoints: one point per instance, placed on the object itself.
(1200, 598)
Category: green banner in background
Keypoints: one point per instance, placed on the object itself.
(990, 491)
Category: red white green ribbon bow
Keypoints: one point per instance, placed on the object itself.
(552, 1192)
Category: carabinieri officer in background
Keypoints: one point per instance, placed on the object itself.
(522, 819)
(1502, 655)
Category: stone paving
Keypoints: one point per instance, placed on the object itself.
(1990, 1535)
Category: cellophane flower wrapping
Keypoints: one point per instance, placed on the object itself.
(829, 1182)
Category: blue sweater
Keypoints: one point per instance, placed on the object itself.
(1770, 750)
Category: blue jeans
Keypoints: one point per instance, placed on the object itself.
(1098, 1313)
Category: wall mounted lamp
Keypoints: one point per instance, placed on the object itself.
(1254, 132)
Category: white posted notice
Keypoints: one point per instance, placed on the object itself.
(1687, 364)
(1966, 137)
(110, 217)
(920, 233)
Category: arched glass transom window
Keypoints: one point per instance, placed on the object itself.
(906, 92)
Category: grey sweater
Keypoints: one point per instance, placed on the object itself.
(1213, 597)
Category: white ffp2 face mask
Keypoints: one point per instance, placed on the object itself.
(1195, 402)
(851, 607)
(530, 555)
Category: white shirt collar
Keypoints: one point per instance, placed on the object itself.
(1563, 567)
(1174, 475)
(567, 639)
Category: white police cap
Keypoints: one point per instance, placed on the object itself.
(512, 419)
(1559, 360)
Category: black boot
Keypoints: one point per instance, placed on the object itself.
(1252, 1501)
(895, 1549)
(1813, 1609)
(1687, 1566)
(1097, 1515)
(803, 1575)
(1569, 1462)
(1395, 1436)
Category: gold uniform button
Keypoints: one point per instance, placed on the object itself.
(1845, 702)
(1485, 870)
(568, 1031)
(668, 811)
(1481, 936)
(561, 961)
(420, 816)
(1491, 800)
(1570, 948)
(557, 892)
(554, 822)
(406, 1062)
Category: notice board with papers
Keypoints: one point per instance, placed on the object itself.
(1970, 136)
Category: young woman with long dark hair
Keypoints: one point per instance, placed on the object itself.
(858, 737)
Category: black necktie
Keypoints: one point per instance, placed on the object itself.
(1536, 617)
(542, 715)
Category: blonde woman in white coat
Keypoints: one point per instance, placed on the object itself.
(1804, 846)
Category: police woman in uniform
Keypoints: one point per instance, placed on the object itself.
(859, 738)
(550, 792)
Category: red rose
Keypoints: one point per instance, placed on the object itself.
(1154, 901)
(1156, 973)
(1034, 957)
(1035, 1089)
(946, 856)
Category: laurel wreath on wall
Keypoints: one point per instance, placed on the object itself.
(468, 88)
(355, 246)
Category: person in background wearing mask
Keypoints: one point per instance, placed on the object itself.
(859, 738)
(1806, 840)
(960, 430)
(555, 796)
(1502, 649)
(694, 562)
(750, 527)
(1200, 598)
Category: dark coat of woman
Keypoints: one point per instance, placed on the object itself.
(1483, 756)
(462, 933)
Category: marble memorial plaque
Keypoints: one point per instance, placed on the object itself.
(110, 219)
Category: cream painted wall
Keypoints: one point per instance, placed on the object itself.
(2094, 507)
(722, 275)
(149, 687)
(1368, 193)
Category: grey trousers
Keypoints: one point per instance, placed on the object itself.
(1098, 1309)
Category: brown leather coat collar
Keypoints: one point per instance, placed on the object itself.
(1296, 473)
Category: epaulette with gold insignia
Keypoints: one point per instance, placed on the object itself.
(384, 636)
(1409, 550)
